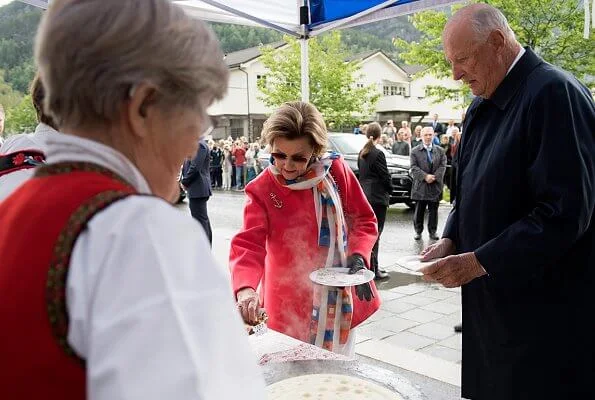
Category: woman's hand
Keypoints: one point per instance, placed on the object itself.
(442, 248)
(248, 304)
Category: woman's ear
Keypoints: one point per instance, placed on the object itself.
(142, 97)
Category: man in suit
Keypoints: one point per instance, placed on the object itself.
(437, 126)
(521, 243)
(428, 165)
(196, 179)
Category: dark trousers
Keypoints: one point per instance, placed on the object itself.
(216, 177)
(418, 216)
(380, 211)
(198, 209)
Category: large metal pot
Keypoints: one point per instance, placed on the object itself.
(275, 372)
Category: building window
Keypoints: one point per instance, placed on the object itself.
(386, 90)
(398, 90)
(456, 97)
(359, 85)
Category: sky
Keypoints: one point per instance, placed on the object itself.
(3, 2)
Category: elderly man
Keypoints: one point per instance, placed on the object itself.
(106, 290)
(521, 236)
(428, 165)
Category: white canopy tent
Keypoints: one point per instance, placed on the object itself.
(299, 18)
(305, 18)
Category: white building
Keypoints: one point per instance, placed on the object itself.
(242, 113)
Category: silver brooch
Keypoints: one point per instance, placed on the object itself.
(276, 202)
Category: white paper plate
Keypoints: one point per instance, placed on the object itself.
(340, 277)
(414, 263)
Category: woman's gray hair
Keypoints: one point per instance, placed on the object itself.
(92, 53)
(486, 19)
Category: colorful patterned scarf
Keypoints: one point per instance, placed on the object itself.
(333, 307)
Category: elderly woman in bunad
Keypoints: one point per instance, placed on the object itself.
(19, 154)
(95, 279)
(305, 211)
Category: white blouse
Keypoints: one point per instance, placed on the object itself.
(150, 311)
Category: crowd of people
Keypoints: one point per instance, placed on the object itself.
(233, 163)
(122, 298)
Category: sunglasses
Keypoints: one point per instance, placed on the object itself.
(294, 158)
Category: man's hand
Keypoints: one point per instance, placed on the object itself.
(430, 178)
(442, 248)
(248, 304)
(355, 263)
(454, 271)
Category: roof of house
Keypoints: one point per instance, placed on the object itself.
(237, 58)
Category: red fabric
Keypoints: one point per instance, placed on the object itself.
(240, 155)
(279, 245)
(32, 364)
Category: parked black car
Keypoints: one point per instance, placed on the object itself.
(349, 145)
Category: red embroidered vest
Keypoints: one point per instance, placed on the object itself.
(39, 225)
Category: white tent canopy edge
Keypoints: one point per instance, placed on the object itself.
(284, 16)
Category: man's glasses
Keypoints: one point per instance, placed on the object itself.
(294, 158)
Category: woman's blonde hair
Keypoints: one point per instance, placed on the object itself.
(294, 120)
(91, 54)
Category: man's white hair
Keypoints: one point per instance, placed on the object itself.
(483, 20)
(487, 19)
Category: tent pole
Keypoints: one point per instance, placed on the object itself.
(305, 58)
(305, 70)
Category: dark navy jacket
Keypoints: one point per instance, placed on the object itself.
(196, 176)
(525, 203)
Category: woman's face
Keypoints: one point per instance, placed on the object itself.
(292, 156)
(174, 137)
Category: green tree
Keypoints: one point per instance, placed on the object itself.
(18, 25)
(8, 96)
(552, 28)
(333, 88)
(22, 117)
(237, 37)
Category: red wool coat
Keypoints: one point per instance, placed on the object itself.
(278, 248)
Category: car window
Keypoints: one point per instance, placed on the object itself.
(351, 144)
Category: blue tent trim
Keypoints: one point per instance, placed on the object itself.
(324, 11)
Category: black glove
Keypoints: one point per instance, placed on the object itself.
(355, 263)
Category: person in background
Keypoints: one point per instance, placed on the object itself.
(20, 154)
(428, 165)
(109, 291)
(417, 138)
(452, 184)
(447, 147)
(521, 245)
(251, 158)
(216, 156)
(437, 127)
(401, 147)
(227, 167)
(406, 131)
(450, 127)
(239, 154)
(364, 129)
(389, 129)
(305, 211)
(197, 182)
(385, 142)
(376, 184)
